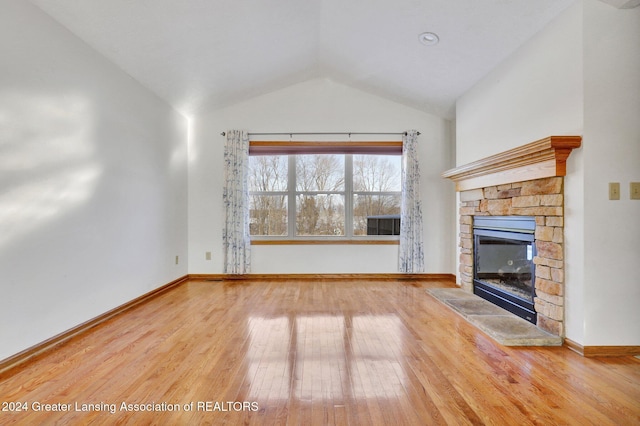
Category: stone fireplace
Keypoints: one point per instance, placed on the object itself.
(542, 199)
(523, 182)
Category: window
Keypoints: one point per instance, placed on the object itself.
(330, 191)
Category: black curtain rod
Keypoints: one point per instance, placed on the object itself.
(324, 133)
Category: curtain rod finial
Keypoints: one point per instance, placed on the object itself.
(223, 134)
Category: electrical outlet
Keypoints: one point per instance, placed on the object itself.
(634, 190)
(614, 190)
(177, 259)
(207, 255)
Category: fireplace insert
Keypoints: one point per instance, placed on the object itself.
(504, 272)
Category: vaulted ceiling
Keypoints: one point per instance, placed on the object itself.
(212, 53)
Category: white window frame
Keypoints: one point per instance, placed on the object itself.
(375, 148)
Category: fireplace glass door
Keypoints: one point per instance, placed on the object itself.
(506, 264)
(504, 273)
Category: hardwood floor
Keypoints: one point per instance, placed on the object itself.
(311, 353)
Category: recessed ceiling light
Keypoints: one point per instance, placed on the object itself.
(429, 39)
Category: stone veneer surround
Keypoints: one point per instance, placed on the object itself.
(543, 199)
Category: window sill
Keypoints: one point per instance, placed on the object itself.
(323, 242)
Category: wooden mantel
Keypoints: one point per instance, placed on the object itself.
(540, 159)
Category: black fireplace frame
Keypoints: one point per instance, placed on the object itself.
(519, 228)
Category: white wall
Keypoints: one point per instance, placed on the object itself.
(535, 93)
(93, 206)
(317, 106)
(578, 76)
(611, 154)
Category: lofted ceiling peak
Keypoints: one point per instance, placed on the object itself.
(199, 54)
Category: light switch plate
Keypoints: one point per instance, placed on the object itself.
(634, 190)
(614, 190)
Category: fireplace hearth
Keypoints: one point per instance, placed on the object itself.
(504, 271)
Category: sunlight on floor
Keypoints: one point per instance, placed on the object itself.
(344, 357)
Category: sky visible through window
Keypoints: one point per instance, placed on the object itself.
(330, 194)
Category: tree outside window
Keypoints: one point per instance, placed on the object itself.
(321, 195)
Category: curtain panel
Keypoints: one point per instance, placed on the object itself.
(235, 236)
(411, 250)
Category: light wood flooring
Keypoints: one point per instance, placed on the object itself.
(312, 353)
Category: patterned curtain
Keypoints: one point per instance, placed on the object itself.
(235, 235)
(411, 254)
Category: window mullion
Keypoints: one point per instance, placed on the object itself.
(348, 195)
(291, 200)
